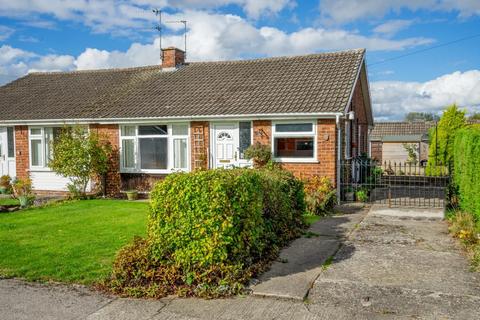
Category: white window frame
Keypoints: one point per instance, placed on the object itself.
(170, 148)
(43, 166)
(307, 134)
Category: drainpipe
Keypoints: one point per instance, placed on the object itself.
(339, 155)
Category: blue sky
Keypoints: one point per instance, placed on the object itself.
(62, 35)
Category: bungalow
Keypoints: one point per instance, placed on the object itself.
(312, 110)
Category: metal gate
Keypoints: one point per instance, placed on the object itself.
(393, 184)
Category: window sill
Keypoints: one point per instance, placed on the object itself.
(295, 160)
(168, 171)
(39, 169)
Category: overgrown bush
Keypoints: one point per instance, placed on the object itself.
(209, 232)
(260, 154)
(464, 227)
(466, 173)
(320, 196)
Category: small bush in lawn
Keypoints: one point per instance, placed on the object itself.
(320, 196)
(209, 232)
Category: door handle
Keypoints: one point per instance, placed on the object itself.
(235, 155)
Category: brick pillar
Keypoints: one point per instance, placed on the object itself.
(262, 132)
(21, 151)
(109, 133)
(200, 142)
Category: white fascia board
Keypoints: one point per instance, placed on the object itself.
(273, 116)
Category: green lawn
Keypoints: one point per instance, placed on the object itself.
(70, 242)
(8, 201)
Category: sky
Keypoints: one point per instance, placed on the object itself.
(421, 55)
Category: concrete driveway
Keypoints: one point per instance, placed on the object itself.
(389, 264)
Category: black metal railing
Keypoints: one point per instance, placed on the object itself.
(404, 184)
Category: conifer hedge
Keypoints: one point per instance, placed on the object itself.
(466, 173)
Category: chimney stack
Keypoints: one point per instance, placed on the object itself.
(172, 57)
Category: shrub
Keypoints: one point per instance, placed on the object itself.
(466, 173)
(5, 184)
(22, 190)
(259, 153)
(79, 155)
(362, 195)
(320, 196)
(209, 232)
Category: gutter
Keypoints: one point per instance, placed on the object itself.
(261, 116)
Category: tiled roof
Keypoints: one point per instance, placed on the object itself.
(302, 84)
(399, 129)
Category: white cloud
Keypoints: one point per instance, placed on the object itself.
(52, 62)
(5, 32)
(394, 99)
(344, 11)
(391, 27)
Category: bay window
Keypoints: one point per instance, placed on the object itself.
(154, 148)
(294, 141)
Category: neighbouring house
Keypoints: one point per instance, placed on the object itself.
(313, 110)
(389, 139)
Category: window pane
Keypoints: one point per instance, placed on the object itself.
(35, 131)
(153, 153)
(36, 152)
(128, 131)
(152, 130)
(10, 142)
(128, 150)
(294, 127)
(180, 153)
(294, 147)
(179, 129)
(245, 137)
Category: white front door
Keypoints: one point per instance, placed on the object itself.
(225, 137)
(7, 152)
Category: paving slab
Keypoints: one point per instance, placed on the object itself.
(125, 309)
(300, 264)
(416, 213)
(20, 300)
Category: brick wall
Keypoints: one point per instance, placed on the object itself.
(200, 142)
(358, 106)
(326, 149)
(376, 150)
(109, 133)
(21, 151)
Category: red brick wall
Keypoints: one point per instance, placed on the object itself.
(200, 142)
(376, 150)
(358, 106)
(326, 149)
(110, 133)
(21, 151)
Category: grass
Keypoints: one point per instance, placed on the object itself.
(8, 201)
(68, 242)
(311, 218)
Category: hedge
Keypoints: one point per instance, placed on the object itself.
(210, 231)
(466, 172)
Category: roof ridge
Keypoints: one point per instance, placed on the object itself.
(152, 67)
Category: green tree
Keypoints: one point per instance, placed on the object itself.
(79, 155)
(442, 137)
(421, 116)
(474, 116)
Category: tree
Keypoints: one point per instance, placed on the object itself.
(79, 155)
(421, 116)
(412, 150)
(475, 116)
(442, 136)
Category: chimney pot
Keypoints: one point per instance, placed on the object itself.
(172, 57)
